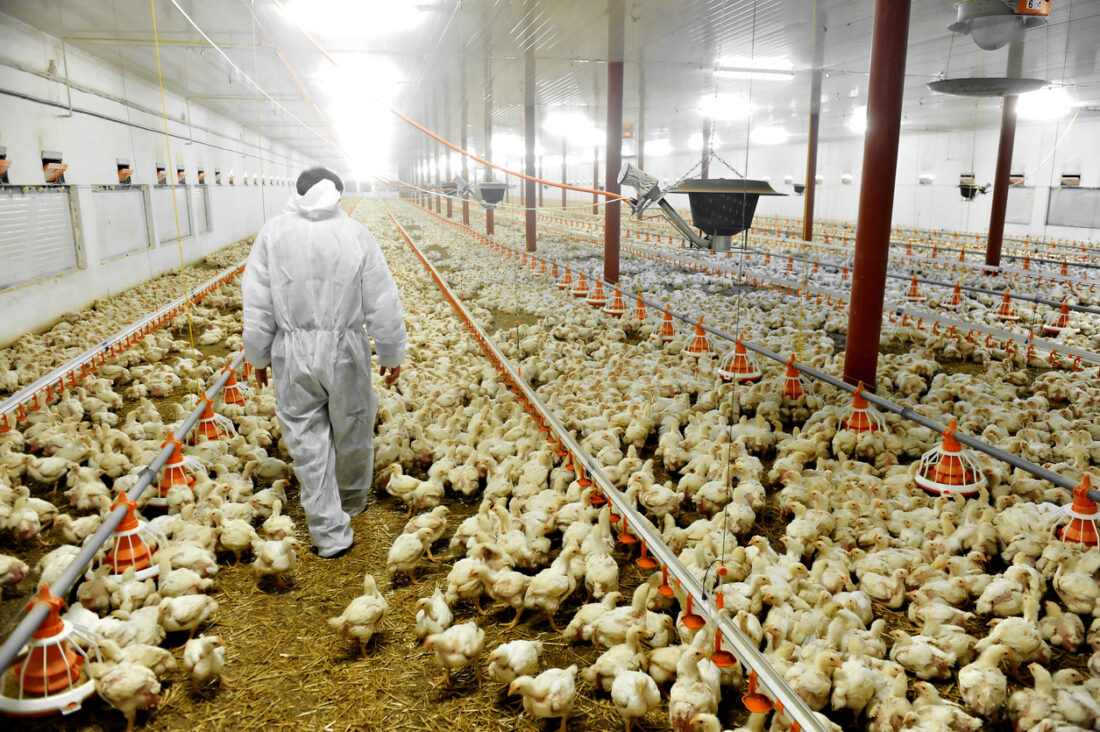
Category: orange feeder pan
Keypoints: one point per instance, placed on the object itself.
(1083, 517)
(738, 366)
(640, 312)
(47, 676)
(754, 701)
(566, 280)
(700, 344)
(691, 619)
(645, 561)
(617, 306)
(212, 425)
(597, 299)
(581, 290)
(792, 381)
(1060, 322)
(954, 300)
(950, 470)
(130, 544)
(177, 471)
(913, 293)
(863, 417)
(667, 331)
(1004, 310)
(232, 392)
(665, 588)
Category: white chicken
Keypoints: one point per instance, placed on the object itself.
(432, 615)
(204, 660)
(456, 648)
(127, 687)
(511, 660)
(634, 694)
(548, 695)
(362, 615)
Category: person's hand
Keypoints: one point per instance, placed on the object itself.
(262, 376)
(390, 373)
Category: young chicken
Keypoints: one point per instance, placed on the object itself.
(814, 680)
(550, 694)
(406, 552)
(435, 520)
(627, 656)
(234, 535)
(127, 687)
(12, 571)
(432, 615)
(274, 558)
(360, 617)
(550, 587)
(457, 647)
(186, 612)
(982, 685)
(204, 659)
(634, 695)
(277, 526)
(691, 694)
(1062, 628)
(513, 659)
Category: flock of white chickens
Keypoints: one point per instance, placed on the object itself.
(708, 462)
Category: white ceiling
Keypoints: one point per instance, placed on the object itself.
(672, 44)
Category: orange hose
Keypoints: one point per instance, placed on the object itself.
(439, 139)
(305, 94)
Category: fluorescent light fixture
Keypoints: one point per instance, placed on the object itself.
(1043, 104)
(763, 68)
(661, 148)
(355, 17)
(858, 121)
(926, 179)
(575, 127)
(769, 135)
(360, 77)
(725, 107)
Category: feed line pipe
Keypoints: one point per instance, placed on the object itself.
(905, 412)
(743, 649)
(105, 346)
(64, 584)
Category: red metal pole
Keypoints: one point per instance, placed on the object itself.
(595, 180)
(1000, 182)
(811, 158)
(886, 86)
(611, 212)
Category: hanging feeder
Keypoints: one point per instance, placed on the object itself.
(581, 290)
(597, 299)
(792, 381)
(665, 588)
(754, 701)
(737, 365)
(617, 306)
(691, 619)
(863, 417)
(1083, 515)
(953, 300)
(566, 280)
(721, 657)
(1058, 323)
(232, 392)
(666, 332)
(1005, 311)
(913, 293)
(177, 471)
(132, 544)
(949, 469)
(700, 343)
(645, 561)
(212, 425)
(639, 309)
(625, 536)
(50, 677)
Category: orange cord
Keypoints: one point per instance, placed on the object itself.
(431, 134)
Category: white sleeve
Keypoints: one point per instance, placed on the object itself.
(382, 305)
(259, 308)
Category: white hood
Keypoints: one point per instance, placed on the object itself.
(319, 202)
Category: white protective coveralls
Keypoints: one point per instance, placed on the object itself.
(313, 280)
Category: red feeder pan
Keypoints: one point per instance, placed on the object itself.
(1005, 310)
(690, 618)
(954, 300)
(667, 332)
(625, 536)
(738, 366)
(913, 293)
(664, 588)
(47, 675)
(1083, 517)
(581, 290)
(721, 657)
(640, 312)
(129, 547)
(948, 469)
(754, 701)
(1059, 323)
(792, 381)
(645, 561)
(863, 418)
(566, 280)
(700, 344)
(617, 306)
(597, 299)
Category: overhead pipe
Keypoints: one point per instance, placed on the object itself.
(886, 86)
(64, 583)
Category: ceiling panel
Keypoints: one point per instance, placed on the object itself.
(670, 50)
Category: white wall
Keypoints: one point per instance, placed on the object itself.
(91, 146)
(1040, 151)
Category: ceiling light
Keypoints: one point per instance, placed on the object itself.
(1042, 104)
(354, 17)
(695, 141)
(660, 148)
(769, 135)
(725, 107)
(734, 72)
(858, 121)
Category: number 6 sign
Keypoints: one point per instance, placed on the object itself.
(1033, 7)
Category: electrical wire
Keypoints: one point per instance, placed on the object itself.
(172, 185)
